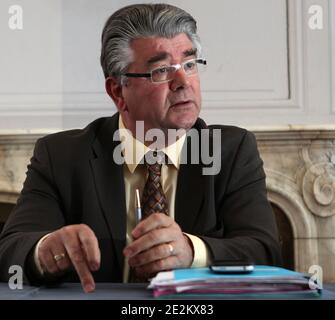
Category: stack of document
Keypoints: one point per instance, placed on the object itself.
(266, 280)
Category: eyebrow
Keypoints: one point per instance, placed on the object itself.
(163, 55)
(158, 57)
(190, 52)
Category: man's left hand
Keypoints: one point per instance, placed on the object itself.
(159, 244)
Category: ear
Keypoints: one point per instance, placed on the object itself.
(114, 90)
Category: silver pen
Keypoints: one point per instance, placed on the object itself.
(138, 209)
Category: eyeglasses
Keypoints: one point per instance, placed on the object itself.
(167, 73)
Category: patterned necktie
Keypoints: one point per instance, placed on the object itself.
(153, 197)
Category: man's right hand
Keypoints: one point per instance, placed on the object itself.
(73, 246)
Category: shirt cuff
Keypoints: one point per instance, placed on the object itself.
(201, 253)
(36, 259)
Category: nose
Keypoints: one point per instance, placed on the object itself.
(180, 80)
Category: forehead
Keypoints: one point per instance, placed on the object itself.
(146, 48)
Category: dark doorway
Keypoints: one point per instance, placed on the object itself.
(5, 210)
(285, 237)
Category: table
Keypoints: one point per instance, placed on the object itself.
(112, 291)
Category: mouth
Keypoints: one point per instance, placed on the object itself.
(183, 103)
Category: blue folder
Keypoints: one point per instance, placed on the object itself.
(264, 282)
(262, 272)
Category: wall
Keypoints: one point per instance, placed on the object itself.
(267, 71)
(266, 66)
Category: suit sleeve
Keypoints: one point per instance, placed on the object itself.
(249, 229)
(36, 213)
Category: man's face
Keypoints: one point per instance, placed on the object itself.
(175, 104)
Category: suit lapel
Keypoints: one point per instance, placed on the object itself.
(190, 187)
(109, 182)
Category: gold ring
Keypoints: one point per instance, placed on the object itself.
(58, 257)
(171, 249)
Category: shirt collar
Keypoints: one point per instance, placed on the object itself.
(134, 150)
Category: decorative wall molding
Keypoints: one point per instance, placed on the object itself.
(304, 104)
(8, 197)
(61, 104)
(300, 169)
(318, 189)
(286, 196)
(217, 101)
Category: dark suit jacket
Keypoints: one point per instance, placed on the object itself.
(73, 179)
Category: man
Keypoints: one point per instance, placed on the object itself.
(75, 214)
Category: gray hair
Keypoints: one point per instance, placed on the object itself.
(141, 21)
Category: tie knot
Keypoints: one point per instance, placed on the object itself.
(154, 160)
(154, 169)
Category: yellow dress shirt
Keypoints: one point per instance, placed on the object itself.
(135, 176)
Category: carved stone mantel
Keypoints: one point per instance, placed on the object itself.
(300, 165)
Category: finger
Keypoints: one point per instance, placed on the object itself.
(64, 263)
(156, 253)
(47, 260)
(150, 269)
(90, 246)
(78, 259)
(79, 262)
(151, 239)
(154, 221)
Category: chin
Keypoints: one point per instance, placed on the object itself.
(182, 117)
(185, 122)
